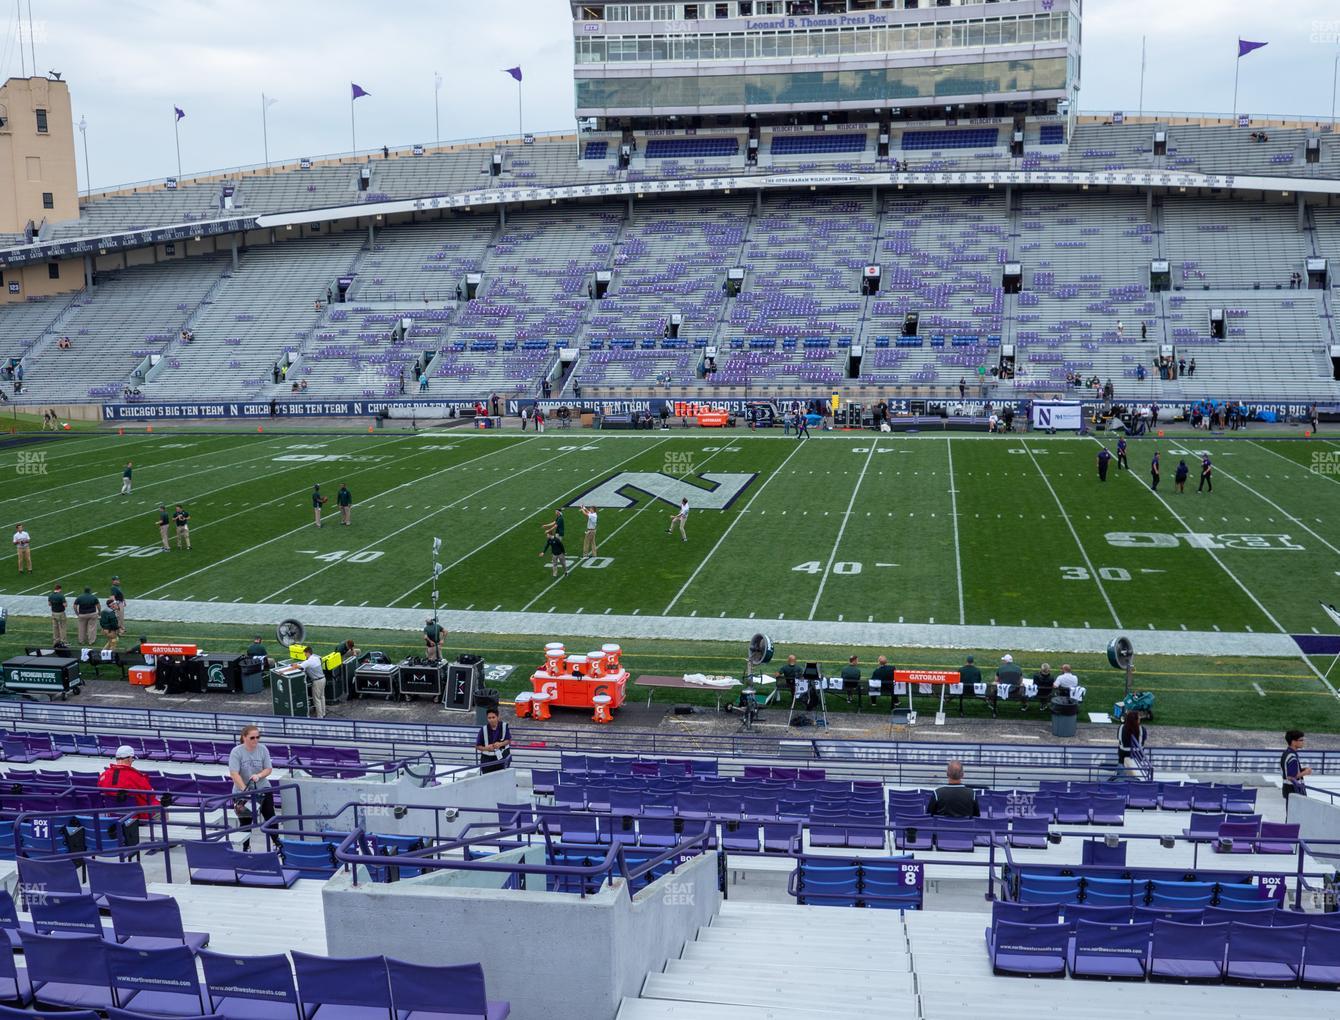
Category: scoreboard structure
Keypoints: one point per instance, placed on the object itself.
(667, 66)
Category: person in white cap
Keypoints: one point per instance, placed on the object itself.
(125, 785)
(1006, 673)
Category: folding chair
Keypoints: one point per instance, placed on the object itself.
(357, 985)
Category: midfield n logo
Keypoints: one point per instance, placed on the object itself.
(718, 492)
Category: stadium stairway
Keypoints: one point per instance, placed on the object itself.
(758, 961)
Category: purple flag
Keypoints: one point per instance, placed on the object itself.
(1245, 47)
(515, 72)
(359, 90)
(179, 112)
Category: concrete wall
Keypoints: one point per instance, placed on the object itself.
(323, 796)
(551, 955)
(1318, 818)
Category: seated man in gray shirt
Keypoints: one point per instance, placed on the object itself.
(954, 800)
(250, 767)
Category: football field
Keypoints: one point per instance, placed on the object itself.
(978, 530)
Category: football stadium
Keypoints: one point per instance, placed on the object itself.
(830, 523)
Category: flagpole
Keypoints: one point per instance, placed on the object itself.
(1236, 65)
(265, 130)
(353, 131)
(520, 130)
(1142, 75)
(176, 134)
(437, 130)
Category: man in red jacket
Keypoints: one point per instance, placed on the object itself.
(125, 784)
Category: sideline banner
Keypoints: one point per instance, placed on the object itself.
(1061, 415)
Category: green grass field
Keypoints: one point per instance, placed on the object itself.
(994, 531)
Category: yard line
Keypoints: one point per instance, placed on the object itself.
(372, 545)
(1093, 573)
(1300, 467)
(729, 528)
(1280, 509)
(576, 489)
(823, 581)
(1236, 580)
(103, 561)
(1258, 689)
(652, 500)
(307, 524)
(953, 510)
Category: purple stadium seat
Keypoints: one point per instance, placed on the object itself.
(1110, 951)
(66, 914)
(250, 987)
(1204, 828)
(68, 971)
(14, 985)
(1265, 955)
(1024, 913)
(954, 835)
(1048, 889)
(1029, 833)
(1076, 912)
(1073, 809)
(1241, 834)
(214, 863)
(114, 878)
(1321, 964)
(782, 837)
(1188, 952)
(161, 982)
(422, 993)
(357, 985)
(131, 1014)
(742, 836)
(656, 832)
(42, 877)
(1264, 914)
(1175, 797)
(1029, 950)
(1107, 810)
(152, 924)
(913, 832)
(1278, 838)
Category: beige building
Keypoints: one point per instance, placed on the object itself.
(38, 178)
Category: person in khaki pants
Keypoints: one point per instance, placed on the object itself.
(22, 546)
(58, 617)
(86, 608)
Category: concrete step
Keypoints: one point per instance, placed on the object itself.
(666, 1009)
(859, 955)
(800, 990)
(871, 977)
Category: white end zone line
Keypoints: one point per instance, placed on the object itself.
(1075, 535)
(307, 524)
(828, 567)
(1236, 580)
(729, 528)
(953, 512)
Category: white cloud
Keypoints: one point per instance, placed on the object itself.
(130, 62)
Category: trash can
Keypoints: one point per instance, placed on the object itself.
(485, 699)
(1065, 716)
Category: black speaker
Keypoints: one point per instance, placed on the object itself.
(461, 683)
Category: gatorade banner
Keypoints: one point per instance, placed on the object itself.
(925, 676)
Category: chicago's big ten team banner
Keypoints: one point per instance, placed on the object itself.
(762, 411)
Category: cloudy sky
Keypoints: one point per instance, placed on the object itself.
(129, 62)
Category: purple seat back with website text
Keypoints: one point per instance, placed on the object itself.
(1110, 950)
(68, 970)
(67, 913)
(157, 981)
(249, 979)
(41, 877)
(1029, 949)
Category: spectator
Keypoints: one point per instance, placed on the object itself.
(494, 743)
(1121, 330)
(1180, 477)
(116, 602)
(1191, 368)
(969, 676)
(851, 678)
(316, 676)
(250, 767)
(954, 800)
(386, 152)
(1144, 330)
(423, 383)
(881, 681)
(1132, 740)
(433, 632)
(1044, 682)
(1067, 681)
(125, 784)
(257, 651)
(303, 386)
(1292, 769)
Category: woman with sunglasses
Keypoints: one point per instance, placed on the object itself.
(250, 767)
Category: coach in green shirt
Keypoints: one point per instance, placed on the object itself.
(110, 628)
(433, 633)
(968, 674)
(344, 499)
(58, 617)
